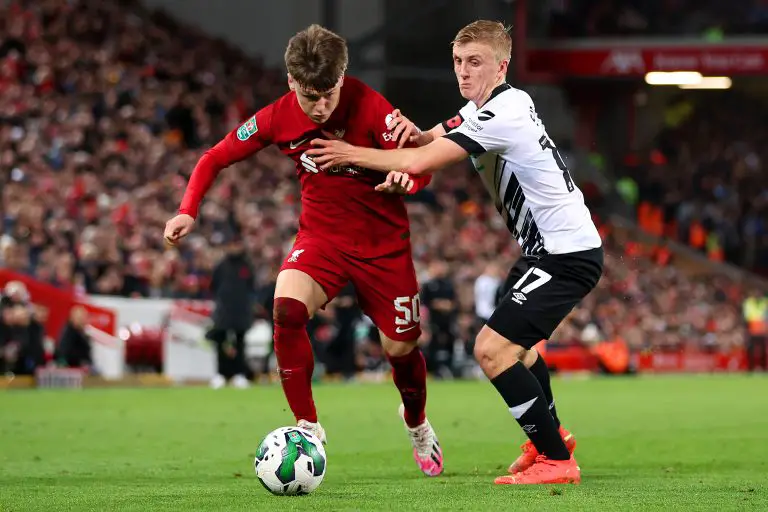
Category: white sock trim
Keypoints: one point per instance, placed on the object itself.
(518, 410)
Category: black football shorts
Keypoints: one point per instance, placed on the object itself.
(540, 292)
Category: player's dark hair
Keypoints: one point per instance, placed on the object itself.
(316, 58)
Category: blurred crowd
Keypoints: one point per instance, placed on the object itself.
(709, 19)
(104, 110)
(716, 200)
(649, 303)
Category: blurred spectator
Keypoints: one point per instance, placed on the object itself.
(264, 302)
(438, 296)
(340, 352)
(74, 347)
(14, 294)
(486, 288)
(755, 311)
(369, 355)
(234, 289)
(21, 333)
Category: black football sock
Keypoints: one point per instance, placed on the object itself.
(527, 403)
(541, 372)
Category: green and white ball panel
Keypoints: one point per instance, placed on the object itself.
(290, 460)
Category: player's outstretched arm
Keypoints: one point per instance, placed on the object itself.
(415, 161)
(236, 146)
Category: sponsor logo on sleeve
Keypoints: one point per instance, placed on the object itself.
(247, 129)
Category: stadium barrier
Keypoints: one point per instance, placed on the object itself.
(145, 312)
(59, 378)
(690, 361)
(59, 303)
(168, 336)
(107, 353)
(187, 355)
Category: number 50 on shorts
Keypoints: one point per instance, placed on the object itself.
(408, 310)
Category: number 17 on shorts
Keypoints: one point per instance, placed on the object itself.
(542, 278)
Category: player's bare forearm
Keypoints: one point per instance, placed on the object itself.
(431, 135)
(383, 160)
(415, 161)
(424, 138)
(328, 153)
(432, 157)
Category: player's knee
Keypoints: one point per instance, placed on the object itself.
(289, 313)
(399, 348)
(529, 357)
(491, 349)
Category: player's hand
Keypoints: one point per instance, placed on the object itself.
(396, 183)
(403, 129)
(177, 228)
(331, 152)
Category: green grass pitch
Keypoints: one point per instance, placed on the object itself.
(648, 443)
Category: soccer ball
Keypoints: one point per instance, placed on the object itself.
(289, 461)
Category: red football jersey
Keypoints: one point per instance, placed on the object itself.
(339, 204)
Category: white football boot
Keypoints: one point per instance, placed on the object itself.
(315, 428)
(218, 382)
(426, 448)
(240, 382)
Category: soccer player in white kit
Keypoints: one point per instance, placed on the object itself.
(562, 255)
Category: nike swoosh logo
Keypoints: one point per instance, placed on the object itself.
(294, 145)
(400, 330)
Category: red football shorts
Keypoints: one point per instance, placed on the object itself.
(386, 286)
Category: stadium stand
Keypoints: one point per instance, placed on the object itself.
(716, 200)
(712, 19)
(103, 118)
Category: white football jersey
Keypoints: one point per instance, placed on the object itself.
(525, 174)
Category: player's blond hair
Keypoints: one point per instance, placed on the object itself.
(316, 58)
(491, 33)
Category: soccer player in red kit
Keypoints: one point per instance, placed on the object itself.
(352, 228)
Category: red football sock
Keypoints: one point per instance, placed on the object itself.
(295, 360)
(410, 375)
